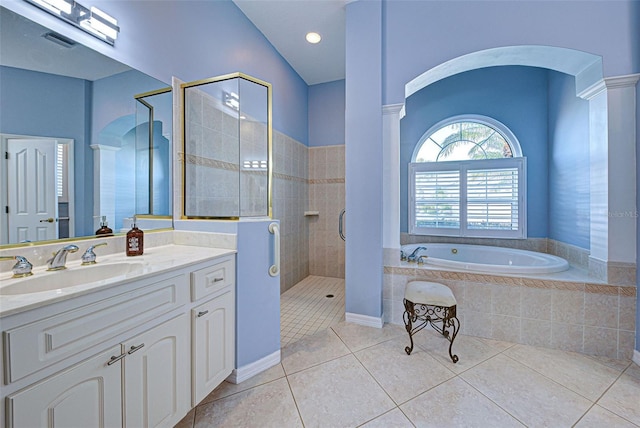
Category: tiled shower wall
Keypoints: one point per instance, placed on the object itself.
(216, 143)
(327, 196)
(290, 201)
(308, 179)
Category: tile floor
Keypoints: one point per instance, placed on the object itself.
(349, 376)
(306, 309)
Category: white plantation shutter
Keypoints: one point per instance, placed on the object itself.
(477, 198)
(437, 199)
(492, 199)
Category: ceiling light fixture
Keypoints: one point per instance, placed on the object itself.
(100, 24)
(57, 7)
(93, 21)
(313, 37)
(232, 100)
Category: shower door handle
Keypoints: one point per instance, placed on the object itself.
(274, 270)
(340, 225)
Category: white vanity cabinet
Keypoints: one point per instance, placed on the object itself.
(213, 327)
(139, 354)
(85, 395)
(156, 375)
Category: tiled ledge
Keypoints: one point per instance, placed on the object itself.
(539, 281)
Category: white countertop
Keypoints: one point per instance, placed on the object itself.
(155, 260)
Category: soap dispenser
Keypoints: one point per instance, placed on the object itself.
(135, 240)
(104, 228)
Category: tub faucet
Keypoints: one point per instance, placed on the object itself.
(413, 257)
(60, 257)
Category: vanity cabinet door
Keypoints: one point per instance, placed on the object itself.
(86, 395)
(213, 343)
(156, 372)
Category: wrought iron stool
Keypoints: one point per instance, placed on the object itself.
(430, 303)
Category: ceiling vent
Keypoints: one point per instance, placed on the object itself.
(59, 39)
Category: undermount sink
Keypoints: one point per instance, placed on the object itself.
(70, 277)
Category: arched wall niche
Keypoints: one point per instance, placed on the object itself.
(586, 67)
(611, 118)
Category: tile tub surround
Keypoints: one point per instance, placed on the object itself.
(579, 316)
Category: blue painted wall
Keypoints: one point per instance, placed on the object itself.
(193, 40)
(515, 96)
(203, 39)
(326, 114)
(67, 107)
(114, 122)
(606, 28)
(363, 157)
(48, 105)
(569, 209)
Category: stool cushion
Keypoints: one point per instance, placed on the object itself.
(429, 293)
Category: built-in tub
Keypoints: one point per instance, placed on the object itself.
(482, 258)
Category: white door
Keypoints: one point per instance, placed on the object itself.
(86, 395)
(32, 200)
(157, 369)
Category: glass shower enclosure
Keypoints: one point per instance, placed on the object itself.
(227, 147)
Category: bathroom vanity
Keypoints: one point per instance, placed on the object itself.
(136, 347)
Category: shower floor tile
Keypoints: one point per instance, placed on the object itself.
(305, 308)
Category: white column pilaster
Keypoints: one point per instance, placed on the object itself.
(612, 142)
(391, 176)
(104, 183)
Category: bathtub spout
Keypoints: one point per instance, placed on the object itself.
(413, 257)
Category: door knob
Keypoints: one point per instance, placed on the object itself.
(47, 220)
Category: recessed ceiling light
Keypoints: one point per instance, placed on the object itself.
(313, 37)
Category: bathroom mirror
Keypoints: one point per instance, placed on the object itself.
(110, 128)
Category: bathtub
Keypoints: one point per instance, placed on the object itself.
(482, 258)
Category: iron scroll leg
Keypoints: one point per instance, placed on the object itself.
(408, 317)
(442, 319)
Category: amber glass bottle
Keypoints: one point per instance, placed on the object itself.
(104, 229)
(135, 240)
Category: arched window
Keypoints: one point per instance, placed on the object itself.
(468, 137)
(467, 178)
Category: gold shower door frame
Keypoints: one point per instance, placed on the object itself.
(230, 76)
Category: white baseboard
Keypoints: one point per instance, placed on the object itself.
(245, 372)
(636, 357)
(365, 320)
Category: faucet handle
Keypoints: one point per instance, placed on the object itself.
(89, 257)
(22, 267)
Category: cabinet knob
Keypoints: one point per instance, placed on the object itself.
(218, 279)
(202, 313)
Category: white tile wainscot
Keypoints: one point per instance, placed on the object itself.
(560, 313)
(65, 350)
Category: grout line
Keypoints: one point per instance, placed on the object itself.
(491, 400)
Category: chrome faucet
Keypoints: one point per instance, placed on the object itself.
(22, 267)
(89, 257)
(60, 258)
(413, 257)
